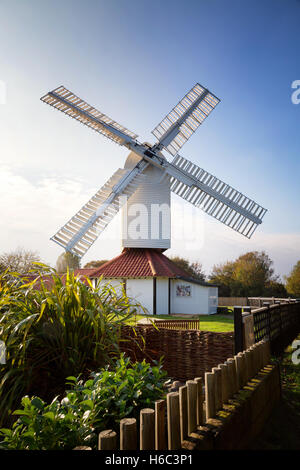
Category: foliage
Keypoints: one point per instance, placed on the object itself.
(53, 327)
(275, 289)
(250, 275)
(87, 408)
(252, 271)
(223, 275)
(293, 281)
(19, 260)
(95, 264)
(193, 269)
(225, 310)
(282, 430)
(67, 261)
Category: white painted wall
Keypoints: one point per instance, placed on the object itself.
(142, 291)
(197, 303)
(203, 299)
(162, 296)
(117, 284)
(213, 299)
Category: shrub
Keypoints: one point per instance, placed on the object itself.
(87, 408)
(225, 310)
(54, 328)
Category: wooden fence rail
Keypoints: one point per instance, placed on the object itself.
(278, 322)
(252, 301)
(174, 419)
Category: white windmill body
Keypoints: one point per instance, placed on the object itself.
(142, 189)
(146, 219)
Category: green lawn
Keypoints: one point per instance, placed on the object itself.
(219, 323)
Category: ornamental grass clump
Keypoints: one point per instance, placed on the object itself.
(55, 326)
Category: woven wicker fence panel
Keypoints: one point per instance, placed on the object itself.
(187, 353)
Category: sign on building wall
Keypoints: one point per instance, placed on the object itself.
(182, 290)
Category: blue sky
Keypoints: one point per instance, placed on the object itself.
(134, 60)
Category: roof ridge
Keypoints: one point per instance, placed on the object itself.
(164, 259)
(178, 268)
(150, 261)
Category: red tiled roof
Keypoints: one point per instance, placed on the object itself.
(83, 271)
(139, 262)
(48, 280)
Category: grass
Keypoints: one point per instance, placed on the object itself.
(216, 322)
(282, 431)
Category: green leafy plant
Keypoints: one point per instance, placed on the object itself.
(54, 326)
(59, 425)
(120, 392)
(87, 408)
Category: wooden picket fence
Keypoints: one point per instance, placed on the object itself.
(172, 420)
(178, 324)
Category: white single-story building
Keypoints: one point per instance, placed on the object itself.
(157, 283)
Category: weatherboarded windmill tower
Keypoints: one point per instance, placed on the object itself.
(142, 189)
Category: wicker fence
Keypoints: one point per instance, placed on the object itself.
(172, 421)
(187, 353)
(178, 324)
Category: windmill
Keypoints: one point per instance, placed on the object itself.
(148, 177)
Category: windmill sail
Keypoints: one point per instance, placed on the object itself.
(178, 126)
(80, 232)
(65, 101)
(214, 197)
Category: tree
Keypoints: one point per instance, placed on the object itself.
(275, 289)
(95, 264)
(250, 275)
(223, 276)
(252, 272)
(293, 281)
(67, 260)
(19, 260)
(193, 269)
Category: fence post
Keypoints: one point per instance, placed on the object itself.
(248, 365)
(107, 440)
(210, 395)
(231, 376)
(147, 429)
(128, 435)
(244, 368)
(267, 352)
(238, 329)
(224, 380)
(199, 382)
(160, 432)
(239, 370)
(218, 388)
(174, 442)
(192, 405)
(183, 412)
(256, 355)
